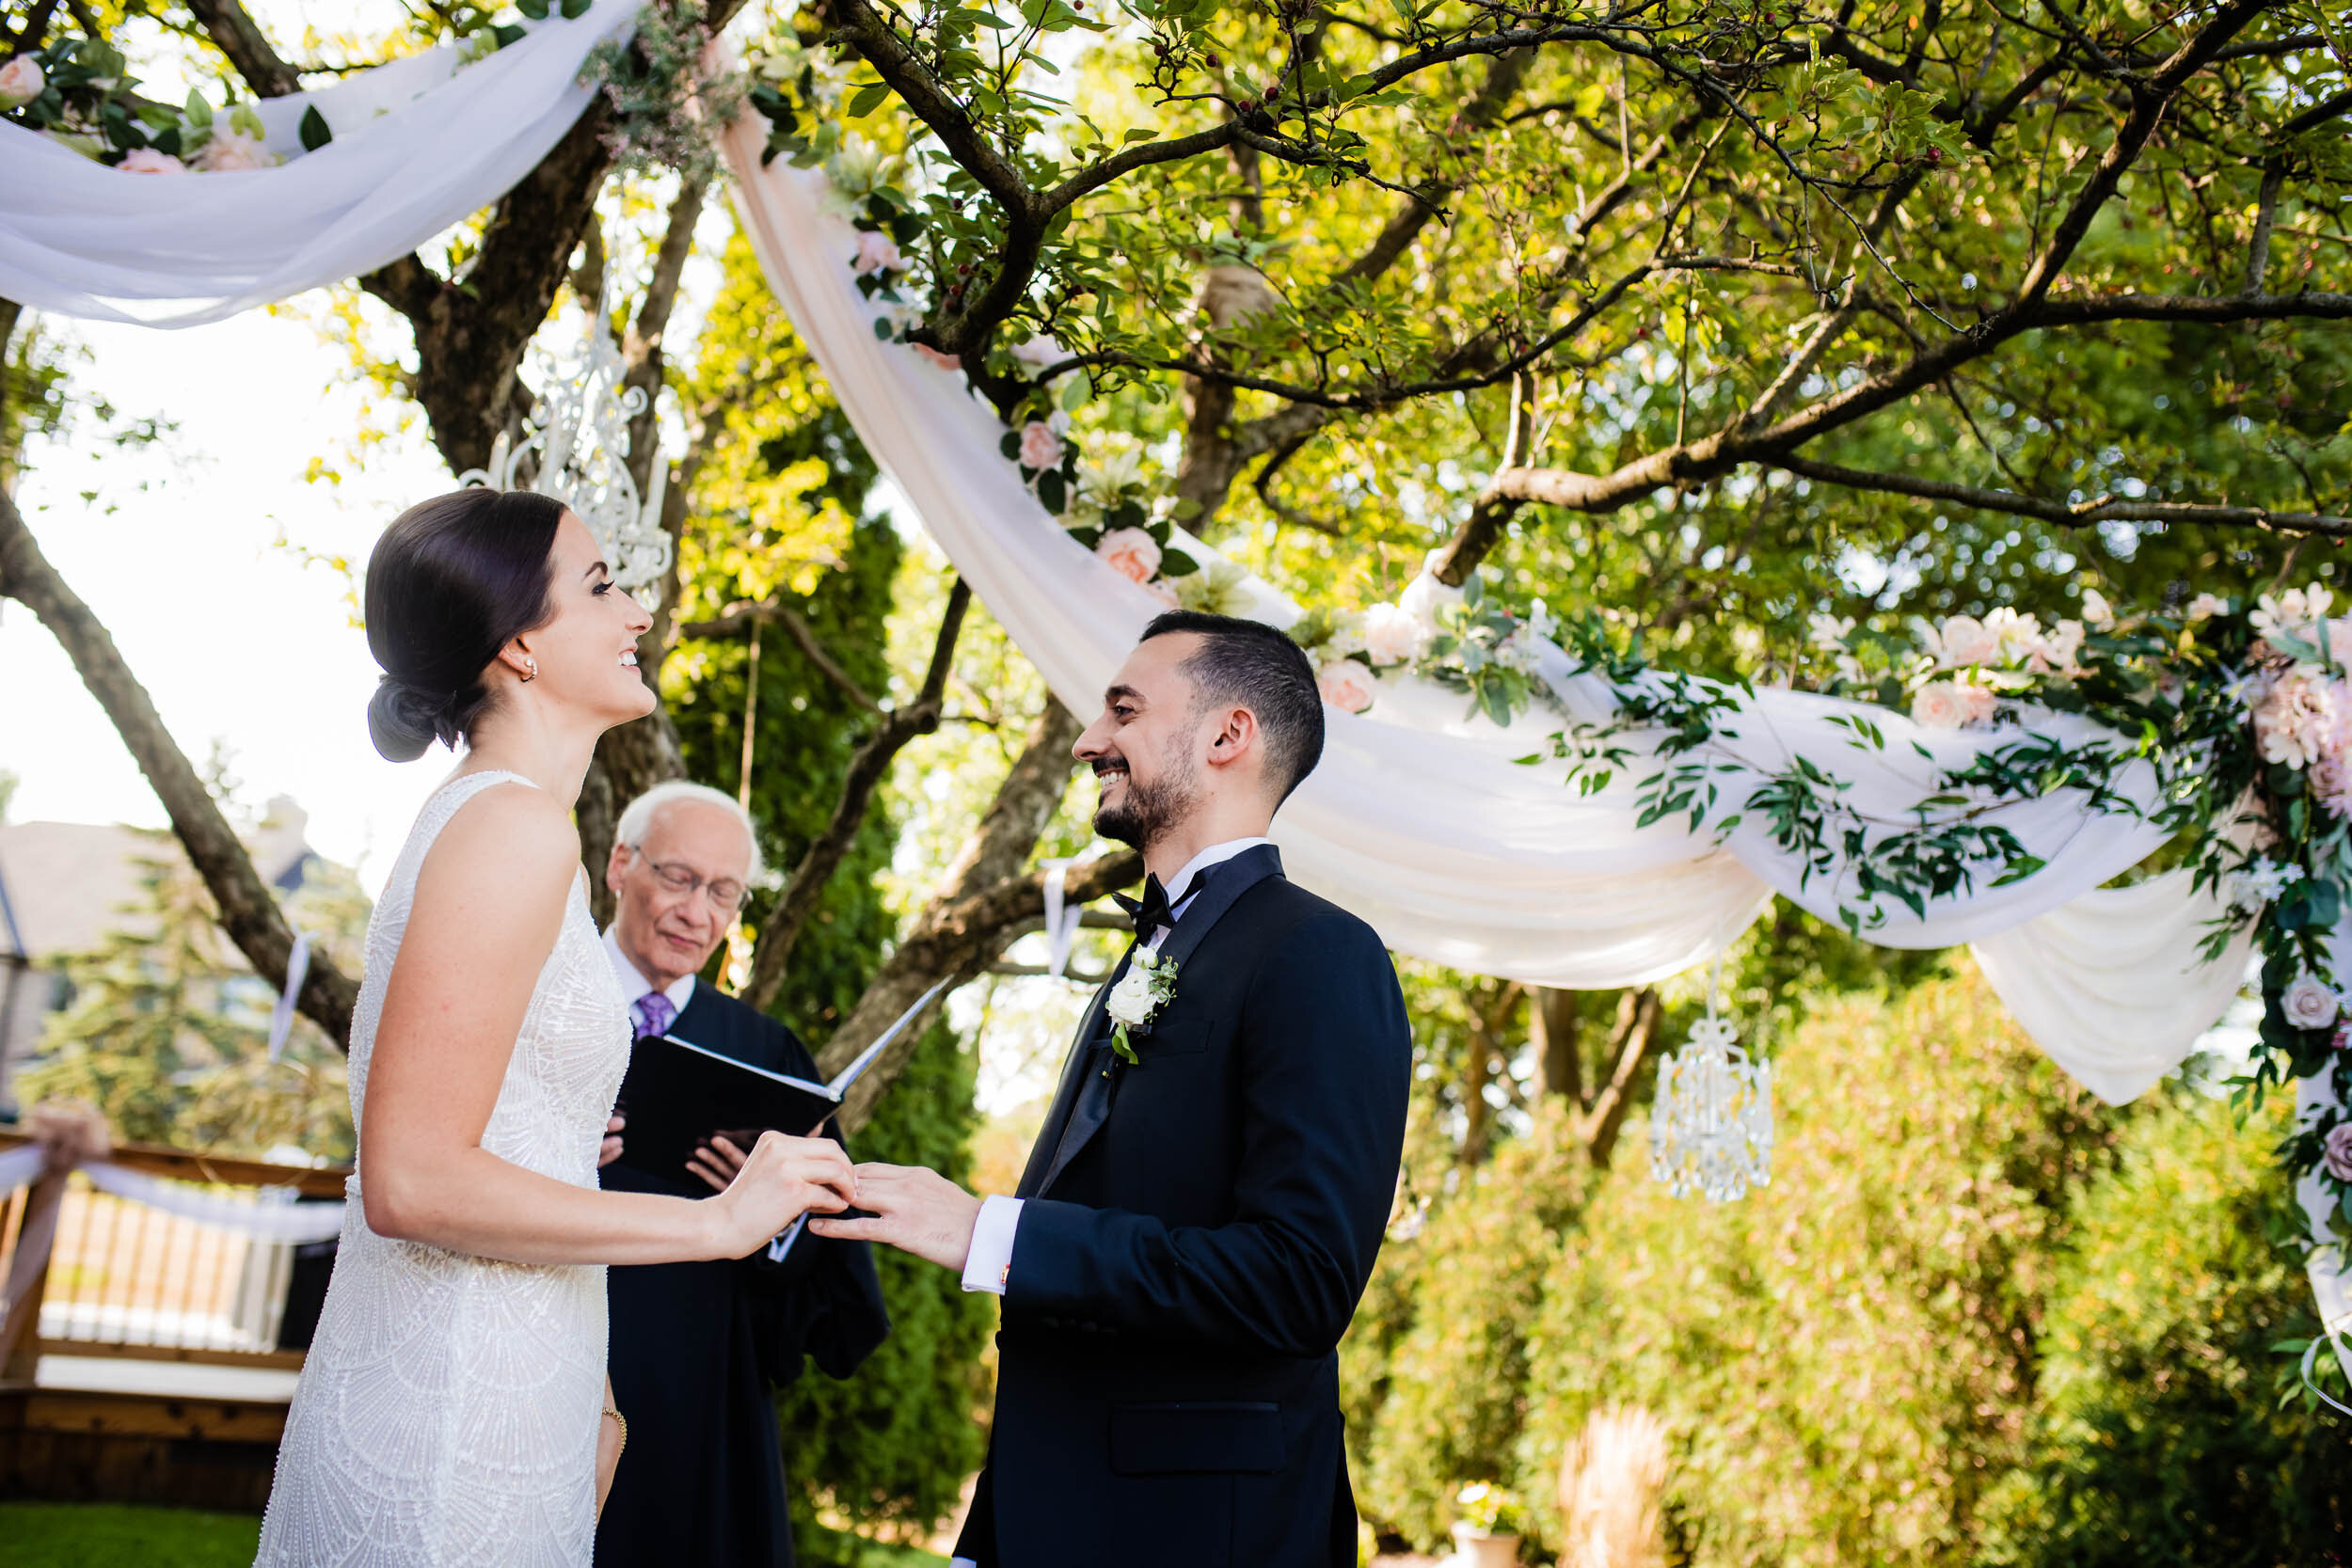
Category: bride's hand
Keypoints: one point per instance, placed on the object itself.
(781, 1179)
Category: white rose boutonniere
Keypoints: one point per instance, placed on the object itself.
(1141, 992)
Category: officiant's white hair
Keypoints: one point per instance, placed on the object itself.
(638, 819)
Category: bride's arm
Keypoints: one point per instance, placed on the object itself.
(489, 900)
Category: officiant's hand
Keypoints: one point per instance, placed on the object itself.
(609, 1149)
(919, 1211)
(782, 1179)
(716, 1163)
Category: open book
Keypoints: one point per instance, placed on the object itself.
(677, 1096)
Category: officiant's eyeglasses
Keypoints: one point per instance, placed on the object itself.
(726, 895)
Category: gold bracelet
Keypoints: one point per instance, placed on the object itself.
(624, 1421)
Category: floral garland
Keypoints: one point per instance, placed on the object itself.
(1107, 500)
(77, 91)
(2242, 711)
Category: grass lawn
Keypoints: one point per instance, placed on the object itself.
(115, 1535)
(112, 1535)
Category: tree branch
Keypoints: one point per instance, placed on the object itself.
(2072, 514)
(1637, 1032)
(235, 33)
(781, 930)
(738, 618)
(246, 910)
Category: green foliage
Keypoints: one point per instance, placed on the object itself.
(890, 1444)
(89, 1535)
(1975, 1317)
(168, 1032)
(2158, 1440)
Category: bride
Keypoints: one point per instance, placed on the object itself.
(453, 1408)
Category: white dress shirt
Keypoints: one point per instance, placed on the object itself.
(634, 985)
(989, 1261)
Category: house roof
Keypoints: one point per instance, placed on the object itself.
(65, 885)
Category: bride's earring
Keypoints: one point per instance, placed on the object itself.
(532, 672)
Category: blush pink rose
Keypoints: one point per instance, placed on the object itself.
(145, 160)
(877, 252)
(21, 81)
(1346, 685)
(2336, 1152)
(1964, 639)
(232, 152)
(1131, 553)
(944, 361)
(1939, 706)
(1976, 704)
(1040, 447)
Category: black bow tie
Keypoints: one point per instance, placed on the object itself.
(1151, 911)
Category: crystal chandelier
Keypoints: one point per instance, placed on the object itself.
(578, 436)
(1710, 1129)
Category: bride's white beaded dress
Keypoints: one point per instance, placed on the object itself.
(447, 1411)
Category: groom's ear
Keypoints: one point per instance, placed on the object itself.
(1236, 737)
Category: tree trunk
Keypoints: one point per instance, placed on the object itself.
(1551, 1028)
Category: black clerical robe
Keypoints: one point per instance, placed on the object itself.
(695, 1347)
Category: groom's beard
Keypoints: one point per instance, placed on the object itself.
(1147, 812)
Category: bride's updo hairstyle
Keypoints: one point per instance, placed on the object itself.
(449, 583)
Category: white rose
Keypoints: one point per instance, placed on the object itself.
(1392, 634)
(2097, 613)
(1130, 1001)
(1939, 706)
(1828, 632)
(145, 160)
(1346, 685)
(2309, 1003)
(21, 81)
(2205, 606)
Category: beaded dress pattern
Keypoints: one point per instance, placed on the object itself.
(449, 1408)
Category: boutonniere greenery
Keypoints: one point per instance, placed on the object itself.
(1148, 986)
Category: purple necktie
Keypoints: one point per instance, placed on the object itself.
(653, 1012)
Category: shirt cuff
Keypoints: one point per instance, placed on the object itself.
(991, 1257)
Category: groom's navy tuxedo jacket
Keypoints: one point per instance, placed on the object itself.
(1196, 1234)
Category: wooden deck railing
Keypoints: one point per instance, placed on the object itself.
(122, 1280)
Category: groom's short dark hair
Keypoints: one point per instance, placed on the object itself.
(1254, 665)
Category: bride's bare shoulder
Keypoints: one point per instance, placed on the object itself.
(509, 834)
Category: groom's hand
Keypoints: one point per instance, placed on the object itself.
(919, 1211)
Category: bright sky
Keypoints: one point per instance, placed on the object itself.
(235, 637)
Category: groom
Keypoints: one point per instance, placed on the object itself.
(1194, 1226)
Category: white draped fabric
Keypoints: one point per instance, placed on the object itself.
(418, 145)
(1420, 821)
(269, 1215)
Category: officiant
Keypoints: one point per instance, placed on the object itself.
(695, 1348)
